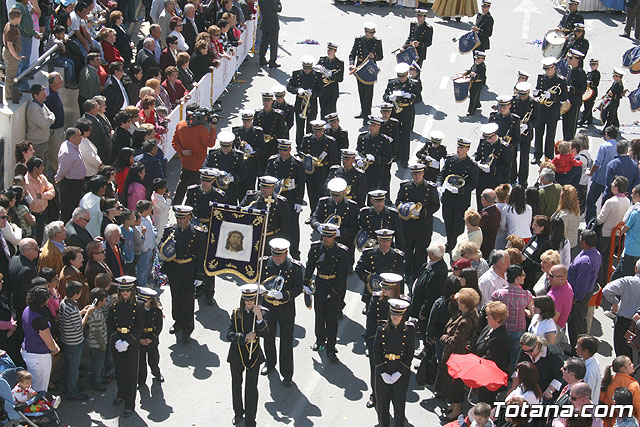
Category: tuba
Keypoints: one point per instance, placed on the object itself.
(526, 119)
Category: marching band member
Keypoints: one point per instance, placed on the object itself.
(417, 227)
(509, 130)
(199, 198)
(229, 160)
(329, 259)
(182, 254)
(615, 92)
(366, 46)
(402, 92)
(272, 122)
(528, 110)
(378, 216)
(288, 169)
(355, 178)
(307, 85)
(378, 311)
(494, 158)
(286, 275)
(478, 74)
(420, 35)
(593, 81)
(377, 152)
(334, 75)
(576, 41)
(336, 132)
(457, 178)
(287, 109)
(431, 154)
(319, 152)
(484, 26)
(552, 91)
(390, 127)
(576, 86)
(245, 354)
(571, 17)
(250, 141)
(279, 219)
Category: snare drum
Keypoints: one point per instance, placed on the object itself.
(553, 43)
(367, 72)
(631, 60)
(461, 85)
(588, 94)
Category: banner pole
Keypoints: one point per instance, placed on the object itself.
(262, 245)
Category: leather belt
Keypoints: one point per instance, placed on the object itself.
(270, 233)
(326, 276)
(123, 330)
(148, 329)
(183, 261)
(392, 356)
(204, 220)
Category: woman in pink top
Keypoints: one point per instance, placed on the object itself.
(134, 188)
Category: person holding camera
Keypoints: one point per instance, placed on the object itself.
(191, 140)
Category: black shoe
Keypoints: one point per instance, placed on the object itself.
(263, 63)
(210, 301)
(266, 370)
(287, 382)
(340, 315)
(159, 378)
(127, 413)
(535, 162)
(174, 329)
(469, 114)
(331, 355)
(117, 401)
(360, 116)
(237, 419)
(274, 65)
(371, 403)
(627, 35)
(317, 347)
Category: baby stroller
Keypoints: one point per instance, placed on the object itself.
(14, 415)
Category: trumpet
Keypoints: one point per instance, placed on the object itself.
(306, 101)
(525, 120)
(326, 74)
(247, 149)
(268, 138)
(555, 90)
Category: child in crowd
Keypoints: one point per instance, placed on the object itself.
(150, 337)
(23, 392)
(580, 150)
(103, 281)
(481, 415)
(52, 280)
(128, 248)
(568, 168)
(138, 235)
(161, 200)
(145, 210)
(97, 338)
(58, 37)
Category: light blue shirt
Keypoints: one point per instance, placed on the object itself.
(606, 153)
(632, 236)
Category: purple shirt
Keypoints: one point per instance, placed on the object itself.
(563, 298)
(583, 272)
(32, 323)
(70, 162)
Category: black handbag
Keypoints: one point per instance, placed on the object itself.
(428, 368)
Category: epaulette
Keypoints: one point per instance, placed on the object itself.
(561, 77)
(259, 128)
(364, 208)
(282, 198)
(274, 156)
(376, 294)
(363, 133)
(279, 111)
(192, 186)
(398, 251)
(334, 166)
(369, 249)
(406, 181)
(390, 80)
(219, 190)
(323, 198)
(321, 58)
(315, 242)
(295, 261)
(307, 135)
(297, 158)
(386, 136)
(343, 247)
(199, 228)
(505, 143)
(431, 183)
(353, 202)
(392, 209)
(516, 116)
(251, 192)
(330, 137)
(393, 119)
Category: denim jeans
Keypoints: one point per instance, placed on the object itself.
(69, 69)
(26, 43)
(109, 369)
(97, 357)
(626, 267)
(143, 266)
(595, 191)
(514, 348)
(72, 356)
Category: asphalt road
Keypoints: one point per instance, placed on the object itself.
(197, 390)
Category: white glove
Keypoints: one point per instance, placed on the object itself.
(523, 127)
(536, 92)
(197, 283)
(406, 95)
(452, 189)
(546, 94)
(300, 91)
(276, 294)
(484, 168)
(338, 232)
(297, 207)
(371, 157)
(307, 290)
(329, 295)
(308, 92)
(395, 377)
(386, 378)
(121, 346)
(231, 178)
(392, 98)
(440, 191)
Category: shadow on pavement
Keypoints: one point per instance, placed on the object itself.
(341, 376)
(153, 401)
(195, 355)
(289, 405)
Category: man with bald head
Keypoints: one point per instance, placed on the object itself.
(489, 221)
(22, 269)
(561, 292)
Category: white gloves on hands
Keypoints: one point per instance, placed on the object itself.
(300, 91)
(523, 127)
(395, 377)
(297, 207)
(371, 157)
(275, 294)
(546, 94)
(121, 346)
(386, 378)
(484, 168)
(450, 188)
(392, 98)
(197, 283)
(231, 178)
(308, 92)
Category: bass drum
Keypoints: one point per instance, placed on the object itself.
(553, 43)
(461, 86)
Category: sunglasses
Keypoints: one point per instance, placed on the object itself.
(3, 217)
(573, 398)
(529, 351)
(554, 276)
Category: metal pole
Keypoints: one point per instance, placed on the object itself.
(264, 240)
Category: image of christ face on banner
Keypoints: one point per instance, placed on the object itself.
(234, 241)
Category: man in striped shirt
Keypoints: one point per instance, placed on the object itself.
(71, 326)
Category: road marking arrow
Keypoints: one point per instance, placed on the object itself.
(527, 7)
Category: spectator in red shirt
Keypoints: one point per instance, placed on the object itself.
(107, 38)
(174, 87)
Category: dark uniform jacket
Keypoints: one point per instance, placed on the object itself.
(152, 325)
(404, 106)
(508, 127)
(576, 85)
(424, 193)
(269, 11)
(361, 49)
(485, 24)
(391, 342)
(377, 311)
(346, 209)
(200, 201)
(374, 261)
(190, 250)
(254, 136)
(288, 111)
(559, 85)
(332, 265)
(580, 44)
(316, 147)
(232, 163)
(499, 154)
(422, 33)
(336, 66)
(391, 128)
(593, 81)
(340, 135)
(291, 168)
(273, 125)
(569, 20)
(241, 324)
(522, 108)
(278, 225)
(291, 271)
(369, 220)
(481, 74)
(617, 89)
(356, 182)
(467, 169)
(125, 315)
(436, 152)
(302, 80)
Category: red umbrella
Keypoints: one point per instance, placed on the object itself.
(476, 372)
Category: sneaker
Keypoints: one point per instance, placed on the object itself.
(610, 314)
(55, 402)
